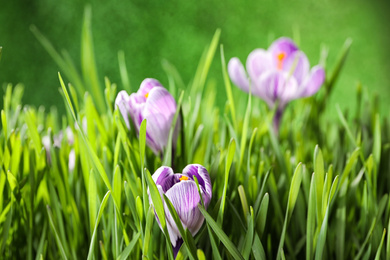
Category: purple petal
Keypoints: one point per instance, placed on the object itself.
(277, 85)
(122, 102)
(299, 63)
(204, 181)
(282, 45)
(258, 61)
(136, 106)
(185, 199)
(164, 177)
(159, 110)
(237, 74)
(160, 101)
(314, 81)
(147, 85)
(176, 248)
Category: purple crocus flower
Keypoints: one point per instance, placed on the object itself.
(181, 190)
(155, 104)
(281, 73)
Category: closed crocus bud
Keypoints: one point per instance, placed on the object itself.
(181, 190)
(155, 104)
(280, 74)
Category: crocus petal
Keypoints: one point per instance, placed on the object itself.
(204, 181)
(282, 45)
(136, 106)
(72, 160)
(277, 85)
(313, 82)
(237, 74)
(258, 61)
(160, 101)
(165, 178)
(185, 199)
(121, 102)
(298, 65)
(147, 85)
(159, 110)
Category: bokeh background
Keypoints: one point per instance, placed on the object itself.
(178, 31)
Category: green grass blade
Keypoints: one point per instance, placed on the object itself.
(148, 231)
(244, 202)
(311, 214)
(348, 167)
(53, 228)
(220, 234)
(262, 216)
(88, 64)
(159, 209)
(319, 178)
(168, 151)
(6, 227)
(123, 71)
(388, 242)
(92, 200)
(229, 160)
(228, 87)
(366, 240)
(292, 198)
(99, 216)
(378, 252)
(117, 188)
(91, 152)
(247, 247)
(345, 124)
(125, 254)
(245, 130)
(258, 249)
(339, 65)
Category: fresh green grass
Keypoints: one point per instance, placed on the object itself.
(318, 190)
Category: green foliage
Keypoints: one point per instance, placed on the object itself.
(318, 189)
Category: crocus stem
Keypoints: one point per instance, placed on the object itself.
(276, 121)
(176, 248)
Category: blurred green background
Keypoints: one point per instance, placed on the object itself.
(150, 31)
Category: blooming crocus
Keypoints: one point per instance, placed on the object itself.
(155, 104)
(181, 190)
(279, 74)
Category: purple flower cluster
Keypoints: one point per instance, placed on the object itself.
(280, 74)
(155, 104)
(277, 75)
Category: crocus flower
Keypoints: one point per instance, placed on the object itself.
(181, 190)
(280, 74)
(155, 104)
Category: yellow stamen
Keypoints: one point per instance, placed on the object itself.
(146, 95)
(183, 178)
(281, 56)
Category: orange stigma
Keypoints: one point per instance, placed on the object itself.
(147, 95)
(183, 178)
(281, 56)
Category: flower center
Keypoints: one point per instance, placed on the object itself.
(183, 178)
(147, 95)
(280, 57)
